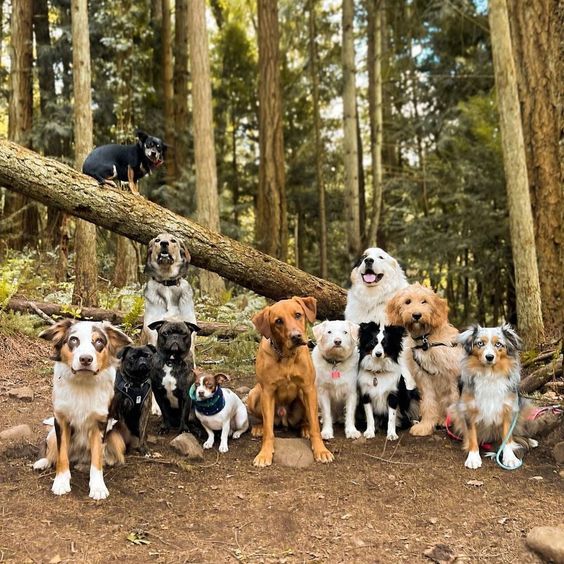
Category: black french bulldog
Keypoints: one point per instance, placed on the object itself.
(131, 404)
(172, 372)
(126, 163)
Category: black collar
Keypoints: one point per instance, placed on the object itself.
(174, 282)
(426, 345)
(334, 363)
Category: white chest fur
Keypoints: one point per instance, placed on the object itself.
(169, 383)
(491, 395)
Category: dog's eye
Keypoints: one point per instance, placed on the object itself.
(329, 332)
(173, 240)
(346, 332)
(424, 301)
(99, 344)
(73, 342)
(407, 302)
(382, 258)
(479, 344)
(298, 315)
(157, 240)
(279, 321)
(498, 345)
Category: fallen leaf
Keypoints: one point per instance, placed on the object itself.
(56, 559)
(440, 553)
(476, 483)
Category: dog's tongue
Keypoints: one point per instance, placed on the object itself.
(369, 278)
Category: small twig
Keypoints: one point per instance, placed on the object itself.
(153, 534)
(386, 460)
(41, 314)
(212, 464)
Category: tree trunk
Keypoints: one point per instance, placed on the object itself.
(271, 214)
(374, 9)
(207, 199)
(85, 290)
(350, 146)
(56, 184)
(181, 88)
(314, 68)
(168, 91)
(537, 35)
(21, 112)
(126, 270)
(520, 216)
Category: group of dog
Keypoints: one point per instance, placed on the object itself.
(395, 350)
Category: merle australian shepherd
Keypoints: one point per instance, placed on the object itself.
(382, 384)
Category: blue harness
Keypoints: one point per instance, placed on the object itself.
(209, 406)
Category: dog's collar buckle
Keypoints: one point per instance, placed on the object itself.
(174, 282)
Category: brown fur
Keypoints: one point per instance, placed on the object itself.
(285, 390)
(436, 371)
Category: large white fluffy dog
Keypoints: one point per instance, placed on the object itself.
(375, 278)
(335, 359)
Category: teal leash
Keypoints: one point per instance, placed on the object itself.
(504, 443)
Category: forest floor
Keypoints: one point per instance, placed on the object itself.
(358, 509)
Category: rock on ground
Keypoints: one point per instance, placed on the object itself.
(295, 453)
(242, 391)
(548, 542)
(558, 452)
(187, 445)
(24, 393)
(17, 432)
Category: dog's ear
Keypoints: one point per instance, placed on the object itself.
(152, 348)
(393, 308)
(116, 337)
(123, 352)
(156, 325)
(148, 266)
(261, 322)
(318, 330)
(141, 135)
(514, 342)
(57, 331)
(184, 257)
(396, 331)
(192, 326)
(466, 338)
(354, 329)
(221, 379)
(309, 305)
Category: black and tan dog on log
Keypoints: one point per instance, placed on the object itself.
(285, 391)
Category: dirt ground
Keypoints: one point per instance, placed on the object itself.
(358, 509)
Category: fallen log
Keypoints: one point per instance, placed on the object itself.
(221, 330)
(540, 377)
(58, 185)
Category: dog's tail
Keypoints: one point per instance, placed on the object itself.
(408, 403)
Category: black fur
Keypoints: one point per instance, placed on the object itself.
(392, 342)
(131, 383)
(100, 163)
(173, 351)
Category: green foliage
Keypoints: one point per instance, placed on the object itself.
(132, 316)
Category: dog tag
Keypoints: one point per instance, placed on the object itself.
(138, 399)
(335, 374)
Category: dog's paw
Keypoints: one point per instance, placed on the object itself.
(369, 434)
(98, 491)
(509, 458)
(473, 460)
(323, 455)
(223, 447)
(352, 433)
(208, 443)
(256, 431)
(41, 464)
(262, 459)
(61, 484)
(421, 430)
(392, 436)
(305, 432)
(237, 434)
(327, 434)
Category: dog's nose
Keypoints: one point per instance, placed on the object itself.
(490, 357)
(416, 316)
(368, 261)
(85, 359)
(201, 394)
(337, 342)
(378, 354)
(296, 338)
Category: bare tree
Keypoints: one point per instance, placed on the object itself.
(520, 216)
(271, 214)
(181, 115)
(168, 89)
(85, 290)
(350, 142)
(207, 199)
(537, 36)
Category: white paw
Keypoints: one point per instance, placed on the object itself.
(352, 433)
(236, 434)
(392, 436)
(61, 484)
(223, 447)
(41, 464)
(327, 434)
(473, 460)
(533, 443)
(369, 434)
(98, 491)
(509, 458)
(208, 443)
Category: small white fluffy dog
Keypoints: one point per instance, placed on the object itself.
(218, 409)
(375, 278)
(335, 359)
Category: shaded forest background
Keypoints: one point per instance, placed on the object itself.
(443, 206)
